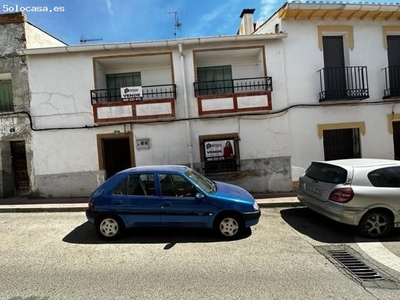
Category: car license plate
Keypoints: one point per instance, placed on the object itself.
(314, 189)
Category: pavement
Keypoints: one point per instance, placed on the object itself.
(24, 204)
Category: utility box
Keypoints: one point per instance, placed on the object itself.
(142, 144)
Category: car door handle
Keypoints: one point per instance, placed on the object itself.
(117, 202)
(167, 204)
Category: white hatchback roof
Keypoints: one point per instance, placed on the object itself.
(363, 162)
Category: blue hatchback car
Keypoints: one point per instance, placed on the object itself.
(170, 196)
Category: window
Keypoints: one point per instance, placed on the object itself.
(385, 177)
(136, 185)
(176, 186)
(214, 80)
(116, 81)
(6, 97)
(219, 153)
(327, 173)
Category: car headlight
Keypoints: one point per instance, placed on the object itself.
(255, 206)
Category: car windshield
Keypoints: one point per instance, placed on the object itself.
(327, 173)
(203, 182)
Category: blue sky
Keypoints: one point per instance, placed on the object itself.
(138, 20)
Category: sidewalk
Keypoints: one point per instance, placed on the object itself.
(18, 204)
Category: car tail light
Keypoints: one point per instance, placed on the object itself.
(342, 195)
(91, 205)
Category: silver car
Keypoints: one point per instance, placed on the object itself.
(361, 192)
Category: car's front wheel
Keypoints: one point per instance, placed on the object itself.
(376, 224)
(109, 227)
(228, 226)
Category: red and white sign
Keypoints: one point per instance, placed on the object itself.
(131, 93)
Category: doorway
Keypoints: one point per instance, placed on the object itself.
(393, 42)
(19, 168)
(115, 152)
(334, 67)
(342, 143)
(396, 139)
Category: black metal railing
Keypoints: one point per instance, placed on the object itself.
(149, 92)
(231, 86)
(392, 81)
(343, 83)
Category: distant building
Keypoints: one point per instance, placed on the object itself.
(15, 132)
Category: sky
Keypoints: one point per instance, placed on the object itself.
(115, 21)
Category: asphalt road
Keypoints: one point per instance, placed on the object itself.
(58, 256)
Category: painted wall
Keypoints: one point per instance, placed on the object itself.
(36, 38)
(302, 60)
(68, 158)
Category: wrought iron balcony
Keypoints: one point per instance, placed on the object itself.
(343, 83)
(392, 81)
(150, 92)
(232, 86)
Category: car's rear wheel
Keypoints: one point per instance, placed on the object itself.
(109, 227)
(228, 226)
(376, 224)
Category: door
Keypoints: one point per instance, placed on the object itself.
(342, 143)
(117, 156)
(19, 167)
(393, 42)
(396, 139)
(134, 200)
(334, 67)
(180, 207)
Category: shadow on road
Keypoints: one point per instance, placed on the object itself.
(322, 229)
(86, 234)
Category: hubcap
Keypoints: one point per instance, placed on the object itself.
(109, 227)
(229, 227)
(376, 224)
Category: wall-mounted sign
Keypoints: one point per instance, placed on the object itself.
(131, 93)
(219, 150)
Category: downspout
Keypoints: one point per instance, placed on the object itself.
(185, 100)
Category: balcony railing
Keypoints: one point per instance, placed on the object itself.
(343, 83)
(150, 92)
(392, 81)
(232, 86)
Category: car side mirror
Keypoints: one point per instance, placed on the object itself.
(199, 196)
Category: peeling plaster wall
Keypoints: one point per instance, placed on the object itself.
(16, 127)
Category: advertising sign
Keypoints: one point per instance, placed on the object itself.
(131, 93)
(219, 150)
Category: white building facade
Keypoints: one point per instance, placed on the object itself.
(314, 82)
(197, 96)
(342, 66)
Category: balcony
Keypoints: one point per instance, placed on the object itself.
(150, 92)
(392, 82)
(343, 83)
(233, 95)
(233, 86)
(157, 102)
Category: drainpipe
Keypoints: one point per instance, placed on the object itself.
(185, 100)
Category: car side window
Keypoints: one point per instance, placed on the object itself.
(136, 185)
(176, 186)
(385, 177)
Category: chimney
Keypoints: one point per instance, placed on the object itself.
(246, 24)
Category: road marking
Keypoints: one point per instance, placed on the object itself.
(381, 254)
